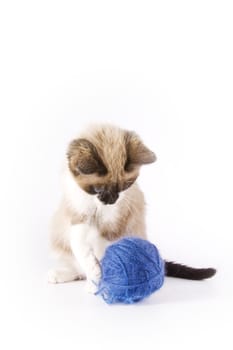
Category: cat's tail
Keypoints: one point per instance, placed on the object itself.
(173, 269)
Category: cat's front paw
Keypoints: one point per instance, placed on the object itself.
(91, 287)
(96, 272)
(62, 276)
(53, 276)
(93, 277)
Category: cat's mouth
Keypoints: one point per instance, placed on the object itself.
(108, 197)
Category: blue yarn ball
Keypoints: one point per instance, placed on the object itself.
(132, 269)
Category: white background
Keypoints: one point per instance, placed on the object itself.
(164, 69)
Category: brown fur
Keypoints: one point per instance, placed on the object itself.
(131, 218)
(107, 156)
(110, 157)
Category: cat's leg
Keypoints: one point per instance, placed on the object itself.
(67, 270)
(88, 248)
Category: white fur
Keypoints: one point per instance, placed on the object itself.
(77, 198)
(87, 245)
(63, 275)
(88, 248)
(82, 243)
(85, 203)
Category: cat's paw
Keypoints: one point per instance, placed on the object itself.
(91, 287)
(62, 276)
(55, 276)
(93, 279)
(94, 271)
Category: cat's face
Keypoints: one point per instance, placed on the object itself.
(106, 161)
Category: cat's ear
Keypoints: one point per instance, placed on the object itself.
(137, 152)
(84, 159)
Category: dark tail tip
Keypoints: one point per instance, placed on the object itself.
(181, 271)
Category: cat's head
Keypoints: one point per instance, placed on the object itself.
(106, 161)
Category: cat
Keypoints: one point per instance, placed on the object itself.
(101, 203)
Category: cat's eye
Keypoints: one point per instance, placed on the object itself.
(128, 166)
(89, 169)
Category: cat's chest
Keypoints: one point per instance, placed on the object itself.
(96, 212)
(106, 213)
(90, 207)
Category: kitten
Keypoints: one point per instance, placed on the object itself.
(102, 203)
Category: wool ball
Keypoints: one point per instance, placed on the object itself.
(132, 269)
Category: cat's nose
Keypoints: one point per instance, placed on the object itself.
(113, 198)
(108, 197)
